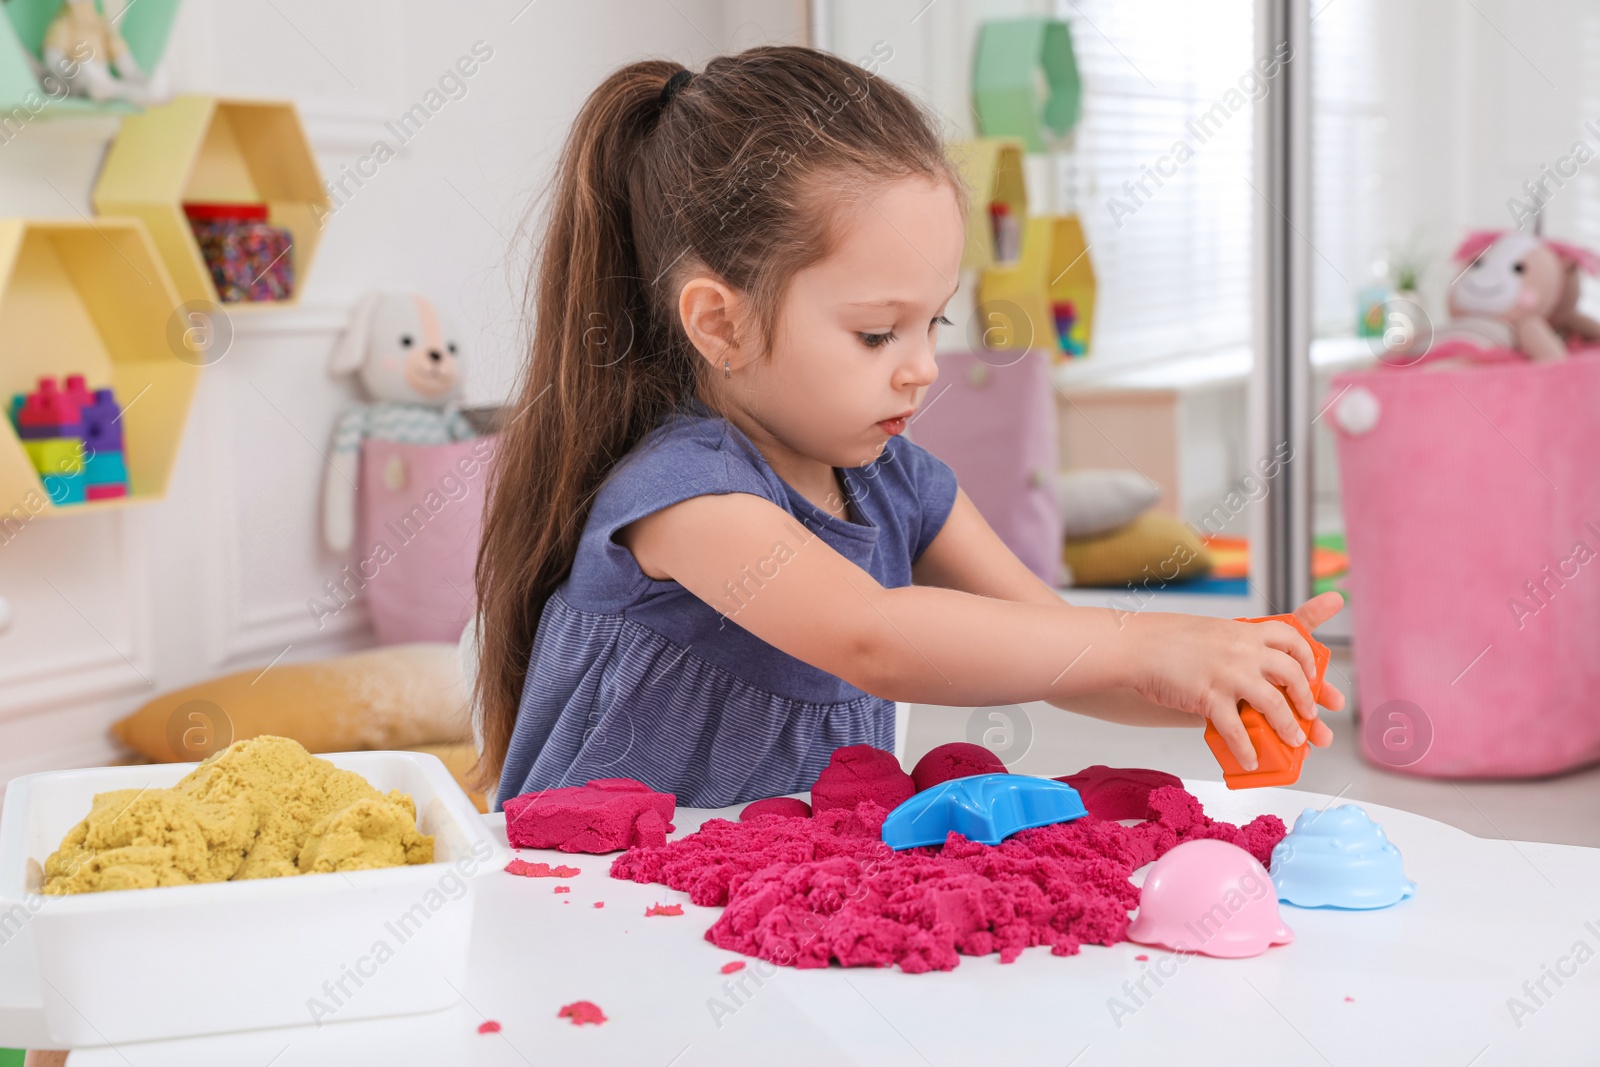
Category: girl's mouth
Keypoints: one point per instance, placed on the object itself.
(895, 426)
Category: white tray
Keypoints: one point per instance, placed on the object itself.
(144, 964)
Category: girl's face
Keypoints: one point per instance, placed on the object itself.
(852, 354)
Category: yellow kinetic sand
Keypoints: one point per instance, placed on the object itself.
(261, 808)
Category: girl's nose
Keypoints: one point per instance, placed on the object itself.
(921, 369)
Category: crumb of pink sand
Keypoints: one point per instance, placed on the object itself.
(1349, 1000)
(582, 1011)
(599, 903)
(1141, 956)
(540, 870)
(663, 909)
(812, 892)
(489, 1027)
(563, 889)
(736, 965)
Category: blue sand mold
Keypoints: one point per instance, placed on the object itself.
(1339, 858)
(986, 808)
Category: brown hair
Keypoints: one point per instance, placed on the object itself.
(738, 174)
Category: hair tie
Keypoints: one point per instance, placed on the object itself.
(674, 85)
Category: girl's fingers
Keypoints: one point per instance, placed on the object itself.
(1319, 609)
(1331, 697)
(1225, 717)
(1281, 669)
(1284, 638)
(1321, 735)
(1265, 698)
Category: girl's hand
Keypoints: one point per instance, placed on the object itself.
(1208, 666)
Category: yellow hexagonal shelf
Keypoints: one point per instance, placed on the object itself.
(204, 149)
(1019, 302)
(90, 297)
(993, 172)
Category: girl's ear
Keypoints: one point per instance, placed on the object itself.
(351, 351)
(711, 312)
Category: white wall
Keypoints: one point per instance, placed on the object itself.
(113, 608)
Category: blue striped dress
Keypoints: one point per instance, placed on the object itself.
(637, 678)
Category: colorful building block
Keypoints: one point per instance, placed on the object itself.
(105, 468)
(1276, 762)
(55, 455)
(65, 488)
(102, 422)
(109, 491)
(48, 412)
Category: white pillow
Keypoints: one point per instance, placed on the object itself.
(1095, 501)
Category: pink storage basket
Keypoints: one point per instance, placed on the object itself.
(424, 503)
(993, 419)
(1472, 515)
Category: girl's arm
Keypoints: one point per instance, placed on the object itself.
(752, 561)
(967, 554)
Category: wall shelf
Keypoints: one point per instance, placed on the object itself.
(200, 148)
(91, 297)
(145, 25)
(1054, 267)
(1025, 81)
(992, 168)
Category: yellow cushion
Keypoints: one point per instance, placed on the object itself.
(1150, 551)
(402, 696)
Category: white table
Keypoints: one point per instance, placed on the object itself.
(1424, 982)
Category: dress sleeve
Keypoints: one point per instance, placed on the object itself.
(667, 467)
(934, 484)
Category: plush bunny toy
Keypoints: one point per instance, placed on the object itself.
(411, 368)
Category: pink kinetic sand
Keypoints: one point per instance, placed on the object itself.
(663, 909)
(788, 807)
(603, 815)
(1119, 792)
(857, 773)
(582, 1011)
(738, 965)
(563, 889)
(489, 1027)
(807, 892)
(958, 759)
(540, 870)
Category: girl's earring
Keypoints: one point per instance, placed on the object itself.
(726, 372)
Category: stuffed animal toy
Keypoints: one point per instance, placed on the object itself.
(411, 368)
(84, 47)
(1517, 293)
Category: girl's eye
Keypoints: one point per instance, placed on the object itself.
(876, 340)
(940, 320)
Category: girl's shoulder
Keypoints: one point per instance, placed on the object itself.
(692, 449)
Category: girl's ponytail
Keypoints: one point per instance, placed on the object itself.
(732, 171)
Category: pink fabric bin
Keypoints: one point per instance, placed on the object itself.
(1472, 517)
(993, 419)
(424, 505)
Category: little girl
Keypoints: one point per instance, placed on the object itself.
(710, 558)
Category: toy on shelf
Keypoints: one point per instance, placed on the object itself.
(1339, 858)
(986, 808)
(1277, 763)
(73, 438)
(1212, 898)
(86, 49)
(1007, 232)
(249, 258)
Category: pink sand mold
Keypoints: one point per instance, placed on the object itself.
(1212, 898)
(603, 815)
(860, 772)
(786, 807)
(958, 759)
(809, 892)
(1119, 792)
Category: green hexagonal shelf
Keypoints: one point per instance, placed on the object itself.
(90, 297)
(1025, 81)
(202, 149)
